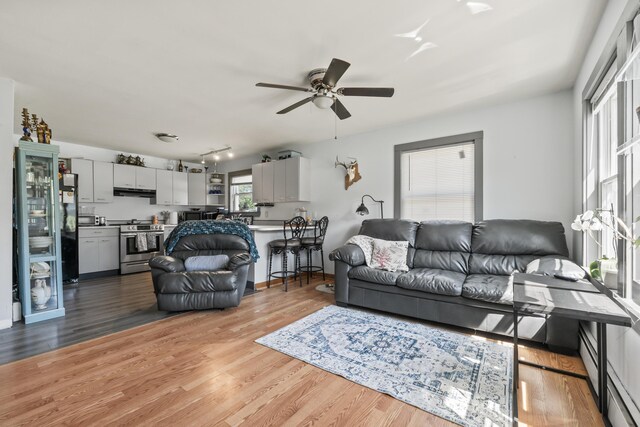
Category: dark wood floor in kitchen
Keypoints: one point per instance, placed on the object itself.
(94, 308)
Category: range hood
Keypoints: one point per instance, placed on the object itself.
(133, 192)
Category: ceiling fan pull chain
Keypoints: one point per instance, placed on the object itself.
(335, 125)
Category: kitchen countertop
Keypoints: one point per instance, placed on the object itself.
(265, 228)
(97, 226)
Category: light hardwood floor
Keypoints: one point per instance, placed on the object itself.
(203, 368)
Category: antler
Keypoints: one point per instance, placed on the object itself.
(339, 163)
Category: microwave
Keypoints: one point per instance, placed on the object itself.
(88, 220)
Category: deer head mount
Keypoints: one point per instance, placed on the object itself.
(353, 174)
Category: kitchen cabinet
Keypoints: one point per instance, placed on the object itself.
(98, 249)
(180, 189)
(282, 181)
(124, 176)
(102, 182)
(134, 177)
(164, 192)
(263, 182)
(145, 178)
(197, 189)
(298, 179)
(84, 169)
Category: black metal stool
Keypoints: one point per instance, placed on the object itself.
(296, 227)
(310, 244)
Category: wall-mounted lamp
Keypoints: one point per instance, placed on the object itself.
(362, 209)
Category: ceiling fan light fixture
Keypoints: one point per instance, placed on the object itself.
(323, 101)
(167, 137)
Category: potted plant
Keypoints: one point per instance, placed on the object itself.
(605, 269)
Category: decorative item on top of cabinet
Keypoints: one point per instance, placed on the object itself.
(353, 174)
(122, 159)
(43, 132)
(180, 167)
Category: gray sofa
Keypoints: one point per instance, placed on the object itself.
(460, 274)
(179, 290)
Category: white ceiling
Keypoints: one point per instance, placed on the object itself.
(112, 73)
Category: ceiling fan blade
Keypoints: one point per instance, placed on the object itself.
(296, 105)
(334, 72)
(274, 86)
(340, 110)
(385, 92)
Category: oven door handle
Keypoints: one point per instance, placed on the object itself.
(142, 232)
(127, 235)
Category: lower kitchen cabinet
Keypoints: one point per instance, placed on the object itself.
(98, 249)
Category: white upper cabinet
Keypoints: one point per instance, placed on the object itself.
(180, 189)
(145, 178)
(124, 176)
(279, 181)
(84, 169)
(282, 181)
(134, 177)
(298, 179)
(164, 183)
(102, 182)
(197, 189)
(256, 178)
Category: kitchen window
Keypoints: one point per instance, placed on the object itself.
(241, 192)
(439, 179)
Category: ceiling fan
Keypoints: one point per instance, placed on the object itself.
(323, 86)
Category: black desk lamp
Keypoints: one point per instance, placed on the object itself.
(362, 209)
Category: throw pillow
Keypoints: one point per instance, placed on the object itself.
(206, 263)
(390, 256)
(365, 243)
(556, 267)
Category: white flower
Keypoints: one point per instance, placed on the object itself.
(577, 224)
(594, 225)
(587, 215)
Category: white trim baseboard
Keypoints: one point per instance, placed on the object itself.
(5, 323)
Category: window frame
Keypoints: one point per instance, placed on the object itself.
(230, 176)
(615, 54)
(472, 137)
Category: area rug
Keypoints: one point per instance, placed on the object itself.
(461, 378)
(327, 288)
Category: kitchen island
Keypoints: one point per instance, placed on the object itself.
(263, 234)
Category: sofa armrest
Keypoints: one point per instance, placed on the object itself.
(349, 254)
(238, 261)
(167, 263)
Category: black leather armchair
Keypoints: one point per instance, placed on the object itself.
(180, 290)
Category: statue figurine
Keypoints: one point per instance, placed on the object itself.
(47, 134)
(26, 126)
(41, 131)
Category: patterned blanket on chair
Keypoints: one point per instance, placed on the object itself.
(187, 228)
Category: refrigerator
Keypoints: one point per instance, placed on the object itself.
(69, 227)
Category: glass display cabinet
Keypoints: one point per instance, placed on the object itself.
(39, 255)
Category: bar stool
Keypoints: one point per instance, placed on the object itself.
(296, 228)
(310, 244)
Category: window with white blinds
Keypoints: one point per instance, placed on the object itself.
(439, 179)
(438, 183)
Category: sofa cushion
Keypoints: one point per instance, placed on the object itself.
(444, 236)
(196, 281)
(434, 280)
(502, 246)
(206, 263)
(489, 288)
(444, 245)
(373, 275)
(390, 229)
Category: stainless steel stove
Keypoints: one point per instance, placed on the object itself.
(138, 244)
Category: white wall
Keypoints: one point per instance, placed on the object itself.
(6, 199)
(122, 208)
(528, 164)
(624, 343)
